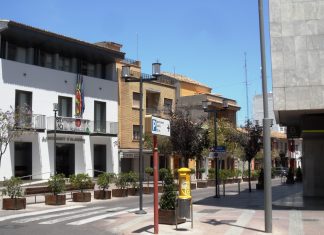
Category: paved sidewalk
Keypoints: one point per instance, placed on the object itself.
(241, 214)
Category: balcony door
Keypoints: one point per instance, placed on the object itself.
(99, 159)
(100, 117)
(23, 159)
(65, 106)
(65, 159)
(23, 104)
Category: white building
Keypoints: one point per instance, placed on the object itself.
(39, 68)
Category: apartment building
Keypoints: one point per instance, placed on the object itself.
(159, 98)
(39, 68)
(190, 95)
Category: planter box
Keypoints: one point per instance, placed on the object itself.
(119, 192)
(82, 197)
(168, 217)
(211, 183)
(102, 194)
(13, 203)
(148, 190)
(133, 192)
(201, 184)
(193, 185)
(51, 199)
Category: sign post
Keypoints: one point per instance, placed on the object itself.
(156, 126)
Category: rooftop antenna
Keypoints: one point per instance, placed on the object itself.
(246, 88)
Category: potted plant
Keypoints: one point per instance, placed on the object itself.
(121, 184)
(260, 184)
(14, 191)
(168, 201)
(290, 176)
(148, 172)
(299, 175)
(56, 184)
(162, 174)
(200, 183)
(104, 181)
(132, 181)
(223, 175)
(81, 182)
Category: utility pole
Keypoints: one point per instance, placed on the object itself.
(266, 131)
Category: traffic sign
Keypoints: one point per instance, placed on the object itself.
(157, 126)
(219, 149)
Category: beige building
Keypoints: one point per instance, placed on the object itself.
(158, 99)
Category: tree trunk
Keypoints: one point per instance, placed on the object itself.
(249, 176)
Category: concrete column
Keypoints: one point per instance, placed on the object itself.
(74, 65)
(6, 50)
(98, 71)
(30, 55)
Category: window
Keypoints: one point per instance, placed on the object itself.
(100, 116)
(46, 60)
(23, 104)
(136, 132)
(136, 100)
(167, 105)
(65, 64)
(65, 106)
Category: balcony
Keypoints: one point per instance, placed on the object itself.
(31, 122)
(82, 126)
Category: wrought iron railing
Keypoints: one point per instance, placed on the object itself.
(70, 124)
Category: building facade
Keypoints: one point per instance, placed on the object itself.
(297, 53)
(39, 68)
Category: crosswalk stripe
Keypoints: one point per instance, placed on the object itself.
(99, 217)
(38, 212)
(54, 221)
(55, 215)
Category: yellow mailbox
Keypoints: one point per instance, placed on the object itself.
(184, 183)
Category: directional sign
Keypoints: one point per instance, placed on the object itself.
(157, 126)
(219, 149)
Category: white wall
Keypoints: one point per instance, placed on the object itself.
(46, 85)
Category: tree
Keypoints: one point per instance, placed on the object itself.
(12, 125)
(188, 138)
(251, 143)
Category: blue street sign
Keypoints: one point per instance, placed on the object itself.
(219, 149)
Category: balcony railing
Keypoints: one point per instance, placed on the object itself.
(31, 121)
(69, 124)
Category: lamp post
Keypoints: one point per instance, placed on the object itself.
(130, 78)
(55, 109)
(205, 105)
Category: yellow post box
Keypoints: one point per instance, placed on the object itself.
(184, 183)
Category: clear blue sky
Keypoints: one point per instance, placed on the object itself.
(204, 40)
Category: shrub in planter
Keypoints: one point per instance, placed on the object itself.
(163, 172)
(299, 175)
(132, 182)
(211, 173)
(121, 184)
(168, 201)
(223, 175)
(201, 171)
(81, 182)
(290, 176)
(14, 191)
(104, 181)
(260, 184)
(56, 184)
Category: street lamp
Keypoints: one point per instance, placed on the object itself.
(126, 74)
(205, 105)
(55, 109)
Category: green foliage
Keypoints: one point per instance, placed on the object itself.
(168, 198)
(201, 170)
(237, 173)
(56, 183)
(81, 181)
(188, 137)
(299, 175)
(132, 179)
(105, 179)
(211, 173)
(192, 171)
(148, 171)
(252, 141)
(224, 175)
(122, 180)
(12, 187)
(163, 172)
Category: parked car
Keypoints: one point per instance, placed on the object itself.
(281, 171)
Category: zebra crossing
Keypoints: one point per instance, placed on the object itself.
(71, 215)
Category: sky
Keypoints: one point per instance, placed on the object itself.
(204, 40)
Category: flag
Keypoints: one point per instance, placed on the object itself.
(79, 97)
